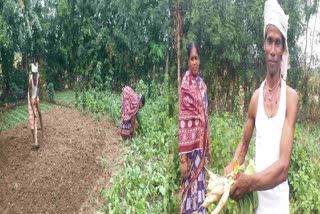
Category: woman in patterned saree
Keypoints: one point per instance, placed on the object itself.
(194, 139)
(131, 102)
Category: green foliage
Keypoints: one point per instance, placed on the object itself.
(142, 88)
(97, 80)
(77, 92)
(225, 131)
(156, 52)
(100, 102)
(65, 97)
(3, 34)
(160, 86)
(15, 93)
(83, 100)
(140, 186)
(17, 116)
(304, 171)
(114, 43)
(51, 92)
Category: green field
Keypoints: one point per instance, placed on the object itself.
(10, 118)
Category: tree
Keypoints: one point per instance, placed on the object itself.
(310, 8)
(177, 35)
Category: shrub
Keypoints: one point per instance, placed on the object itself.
(51, 92)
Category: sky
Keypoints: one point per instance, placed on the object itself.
(313, 38)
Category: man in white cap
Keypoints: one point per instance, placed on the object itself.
(273, 112)
(34, 103)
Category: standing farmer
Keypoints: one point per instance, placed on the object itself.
(273, 112)
(34, 102)
(194, 139)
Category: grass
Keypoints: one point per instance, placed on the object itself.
(12, 117)
(65, 97)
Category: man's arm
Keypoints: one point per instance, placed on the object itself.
(242, 148)
(278, 171)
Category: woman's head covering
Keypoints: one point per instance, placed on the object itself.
(274, 15)
(192, 116)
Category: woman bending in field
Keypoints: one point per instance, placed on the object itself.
(131, 103)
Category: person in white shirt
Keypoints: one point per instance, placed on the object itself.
(34, 102)
(273, 112)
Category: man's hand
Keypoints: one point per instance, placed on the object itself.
(228, 169)
(184, 170)
(240, 187)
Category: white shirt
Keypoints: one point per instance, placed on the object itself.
(268, 139)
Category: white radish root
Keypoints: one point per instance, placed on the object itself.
(210, 199)
(218, 190)
(223, 199)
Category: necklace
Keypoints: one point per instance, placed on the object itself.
(272, 89)
(272, 102)
(273, 107)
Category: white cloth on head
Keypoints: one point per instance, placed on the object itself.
(34, 67)
(274, 15)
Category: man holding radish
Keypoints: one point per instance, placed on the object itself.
(273, 112)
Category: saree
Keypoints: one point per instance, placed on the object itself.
(193, 141)
(129, 106)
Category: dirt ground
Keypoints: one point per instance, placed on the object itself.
(66, 174)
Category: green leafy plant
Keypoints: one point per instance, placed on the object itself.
(304, 172)
(51, 92)
(142, 88)
(151, 186)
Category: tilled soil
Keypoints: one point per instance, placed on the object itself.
(75, 160)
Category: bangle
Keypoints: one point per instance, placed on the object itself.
(183, 158)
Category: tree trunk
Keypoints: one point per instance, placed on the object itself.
(312, 41)
(177, 27)
(306, 70)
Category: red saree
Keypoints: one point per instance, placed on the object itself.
(192, 116)
(130, 106)
(193, 141)
(130, 103)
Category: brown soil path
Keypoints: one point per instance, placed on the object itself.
(66, 174)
